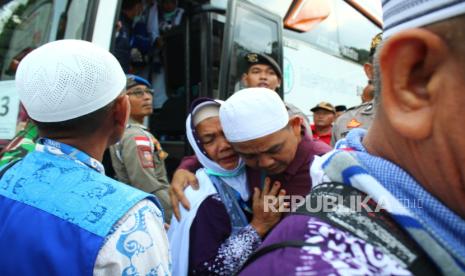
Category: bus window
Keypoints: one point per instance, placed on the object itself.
(324, 35)
(29, 25)
(304, 16)
(217, 45)
(278, 7)
(353, 43)
(24, 26)
(252, 30)
(324, 64)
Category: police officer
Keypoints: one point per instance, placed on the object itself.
(138, 158)
(360, 116)
(263, 71)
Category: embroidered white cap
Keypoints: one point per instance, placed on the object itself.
(204, 111)
(67, 79)
(252, 113)
(399, 15)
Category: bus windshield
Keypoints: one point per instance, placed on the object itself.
(27, 24)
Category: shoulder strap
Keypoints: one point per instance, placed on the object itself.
(272, 247)
(377, 228)
(8, 166)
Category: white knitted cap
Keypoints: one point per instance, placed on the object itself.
(204, 111)
(67, 79)
(399, 15)
(252, 113)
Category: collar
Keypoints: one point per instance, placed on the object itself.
(300, 157)
(133, 122)
(63, 150)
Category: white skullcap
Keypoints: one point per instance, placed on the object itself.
(204, 111)
(399, 15)
(66, 79)
(252, 113)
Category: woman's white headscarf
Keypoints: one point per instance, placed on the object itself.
(236, 178)
(179, 231)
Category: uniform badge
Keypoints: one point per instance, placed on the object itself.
(144, 151)
(353, 124)
(145, 157)
(252, 58)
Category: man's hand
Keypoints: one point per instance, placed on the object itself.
(264, 219)
(181, 179)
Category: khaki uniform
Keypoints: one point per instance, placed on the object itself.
(138, 160)
(360, 116)
(294, 110)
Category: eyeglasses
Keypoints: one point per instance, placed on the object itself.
(139, 93)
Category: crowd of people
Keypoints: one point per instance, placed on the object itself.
(377, 190)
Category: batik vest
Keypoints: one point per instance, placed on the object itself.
(55, 215)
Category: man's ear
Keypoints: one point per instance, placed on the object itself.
(244, 79)
(408, 64)
(368, 68)
(279, 82)
(296, 124)
(121, 111)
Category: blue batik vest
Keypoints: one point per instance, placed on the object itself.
(55, 215)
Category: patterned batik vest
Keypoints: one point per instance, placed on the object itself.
(55, 215)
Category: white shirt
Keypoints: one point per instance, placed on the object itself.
(136, 244)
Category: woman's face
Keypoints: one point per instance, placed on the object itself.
(215, 144)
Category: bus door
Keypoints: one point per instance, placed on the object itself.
(249, 28)
(190, 69)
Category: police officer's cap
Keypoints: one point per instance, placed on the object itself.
(133, 80)
(257, 58)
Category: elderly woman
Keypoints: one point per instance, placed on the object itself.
(221, 230)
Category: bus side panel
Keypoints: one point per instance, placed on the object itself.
(312, 76)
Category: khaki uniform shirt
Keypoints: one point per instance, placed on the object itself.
(138, 160)
(294, 110)
(360, 116)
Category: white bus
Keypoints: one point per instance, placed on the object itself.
(320, 45)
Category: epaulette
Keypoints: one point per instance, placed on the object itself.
(368, 104)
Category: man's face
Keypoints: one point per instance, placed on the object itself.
(213, 141)
(261, 75)
(323, 118)
(272, 153)
(140, 98)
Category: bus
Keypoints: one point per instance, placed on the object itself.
(320, 45)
